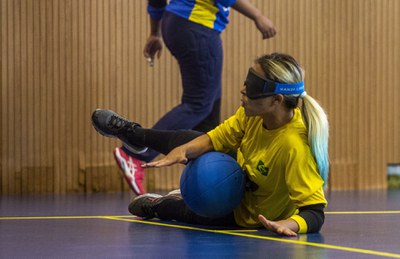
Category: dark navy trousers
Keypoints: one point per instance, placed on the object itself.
(199, 53)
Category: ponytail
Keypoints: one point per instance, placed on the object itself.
(316, 122)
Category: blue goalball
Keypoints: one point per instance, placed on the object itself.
(212, 185)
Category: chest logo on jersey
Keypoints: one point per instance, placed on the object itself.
(264, 170)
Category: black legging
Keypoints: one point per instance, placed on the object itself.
(164, 141)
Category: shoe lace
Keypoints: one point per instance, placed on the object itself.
(118, 123)
(149, 208)
(131, 166)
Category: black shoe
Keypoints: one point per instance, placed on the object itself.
(110, 124)
(145, 205)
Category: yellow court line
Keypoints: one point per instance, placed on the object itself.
(175, 225)
(234, 233)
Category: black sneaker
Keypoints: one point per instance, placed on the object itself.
(145, 205)
(110, 124)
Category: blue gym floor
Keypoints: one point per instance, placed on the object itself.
(363, 224)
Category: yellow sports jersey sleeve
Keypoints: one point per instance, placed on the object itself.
(228, 135)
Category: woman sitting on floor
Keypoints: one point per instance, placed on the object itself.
(283, 149)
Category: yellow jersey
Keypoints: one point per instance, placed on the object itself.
(279, 162)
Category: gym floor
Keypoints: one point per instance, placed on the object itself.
(358, 224)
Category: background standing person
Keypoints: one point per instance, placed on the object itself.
(191, 31)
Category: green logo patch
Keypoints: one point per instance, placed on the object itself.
(262, 168)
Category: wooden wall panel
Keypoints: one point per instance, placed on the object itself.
(61, 59)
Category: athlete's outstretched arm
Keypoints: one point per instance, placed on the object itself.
(183, 153)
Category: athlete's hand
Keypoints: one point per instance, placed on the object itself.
(277, 227)
(265, 26)
(153, 48)
(176, 156)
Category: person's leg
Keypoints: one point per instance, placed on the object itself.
(158, 141)
(111, 124)
(173, 207)
(198, 51)
(212, 120)
(177, 210)
(162, 141)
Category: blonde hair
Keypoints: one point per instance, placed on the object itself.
(283, 68)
